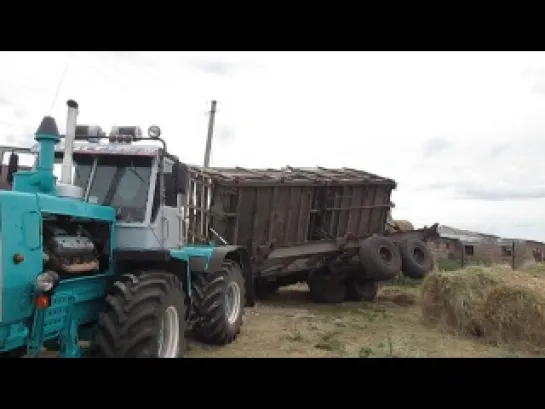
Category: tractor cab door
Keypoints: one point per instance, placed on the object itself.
(173, 233)
(168, 214)
(14, 159)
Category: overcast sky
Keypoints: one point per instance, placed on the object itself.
(463, 134)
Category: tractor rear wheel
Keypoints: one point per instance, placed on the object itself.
(219, 299)
(144, 318)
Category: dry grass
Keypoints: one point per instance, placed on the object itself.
(289, 325)
(502, 306)
(536, 270)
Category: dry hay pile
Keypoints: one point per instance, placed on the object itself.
(491, 302)
(514, 312)
(454, 299)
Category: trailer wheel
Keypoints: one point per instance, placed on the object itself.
(361, 290)
(264, 290)
(326, 288)
(144, 318)
(417, 258)
(219, 302)
(380, 258)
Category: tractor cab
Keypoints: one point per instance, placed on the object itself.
(142, 182)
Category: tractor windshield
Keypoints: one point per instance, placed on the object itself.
(122, 182)
(118, 181)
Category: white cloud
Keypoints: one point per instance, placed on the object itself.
(452, 128)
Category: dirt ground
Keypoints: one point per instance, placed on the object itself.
(289, 325)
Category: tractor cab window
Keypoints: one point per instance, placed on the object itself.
(122, 182)
(171, 197)
(81, 168)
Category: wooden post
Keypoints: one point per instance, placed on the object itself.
(513, 259)
(210, 134)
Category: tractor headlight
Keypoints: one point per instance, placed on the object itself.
(46, 281)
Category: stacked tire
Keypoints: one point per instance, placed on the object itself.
(382, 260)
(417, 258)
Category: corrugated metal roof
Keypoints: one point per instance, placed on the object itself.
(465, 236)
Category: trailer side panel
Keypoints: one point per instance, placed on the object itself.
(260, 208)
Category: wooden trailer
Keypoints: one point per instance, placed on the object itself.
(302, 223)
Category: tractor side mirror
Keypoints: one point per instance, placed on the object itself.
(181, 173)
(13, 166)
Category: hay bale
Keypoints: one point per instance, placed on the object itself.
(404, 225)
(514, 312)
(431, 301)
(454, 300)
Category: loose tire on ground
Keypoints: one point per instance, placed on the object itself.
(326, 288)
(380, 258)
(219, 299)
(144, 318)
(417, 258)
(361, 290)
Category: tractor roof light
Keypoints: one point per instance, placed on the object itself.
(89, 132)
(135, 132)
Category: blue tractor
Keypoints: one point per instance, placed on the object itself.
(99, 253)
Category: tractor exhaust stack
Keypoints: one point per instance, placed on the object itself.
(67, 162)
(65, 186)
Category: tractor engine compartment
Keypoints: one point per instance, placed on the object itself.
(74, 247)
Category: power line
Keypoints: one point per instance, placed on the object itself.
(108, 77)
(59, 85)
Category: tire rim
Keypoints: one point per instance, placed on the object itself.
(385, 254)
(168, 339)
(232, 302)
(418, 255)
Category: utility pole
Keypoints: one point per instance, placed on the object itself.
(210, 134)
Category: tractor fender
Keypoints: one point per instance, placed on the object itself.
(240, 254)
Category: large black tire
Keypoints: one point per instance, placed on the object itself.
(361, 290)
(326, 288)
(417, 258)
(15, 353)
(380, 258)
(213, 324)
(133, 320)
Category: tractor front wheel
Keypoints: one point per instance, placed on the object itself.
(144, 318)
(219, 299)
